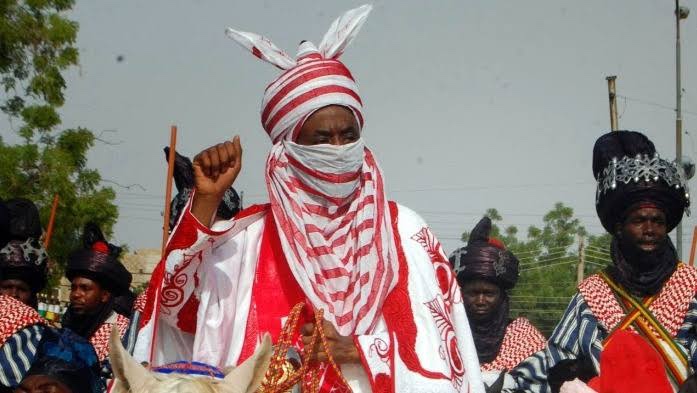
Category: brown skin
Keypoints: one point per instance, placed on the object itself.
(42, 384)
(342, 348)
(481, 297)
(217, 167)
(17, 289)
(645, 228)
(331, 125)
(87, 295)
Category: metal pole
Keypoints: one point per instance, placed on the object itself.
(613, 101)
(694, 246)
(678, 111)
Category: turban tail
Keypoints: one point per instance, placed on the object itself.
(485, 258)
(315, 79)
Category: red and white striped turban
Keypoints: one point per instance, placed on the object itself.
(315, 79)
(328, 202)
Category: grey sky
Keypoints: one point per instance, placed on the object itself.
(469, 104)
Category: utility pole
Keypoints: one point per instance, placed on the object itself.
(581, 260)
(680, 13)
(613, 101)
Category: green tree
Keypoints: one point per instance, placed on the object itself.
(549, 257)
(37, 44)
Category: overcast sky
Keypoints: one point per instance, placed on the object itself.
(469, 104)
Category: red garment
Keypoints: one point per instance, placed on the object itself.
(628, 364)
(274, 294)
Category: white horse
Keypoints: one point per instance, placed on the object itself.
(131, 377)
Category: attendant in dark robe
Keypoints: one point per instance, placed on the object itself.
(646, 290)
(22, 275)
(97, 278)
(487, 272)
(23, 259)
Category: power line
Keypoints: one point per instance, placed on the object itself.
(547, 266)
(654, 104)
(503, 214)
(492, 187)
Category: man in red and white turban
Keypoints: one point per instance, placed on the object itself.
(329, 238)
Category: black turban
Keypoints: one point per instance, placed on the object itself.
(99, 261)
(630, 172)
(4, 224)
(184, 180)
(485, 258)
(24, 219)
(23, 256)
(26, 261)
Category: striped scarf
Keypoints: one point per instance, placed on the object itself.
(335, 229)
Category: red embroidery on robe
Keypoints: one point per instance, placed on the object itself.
(398, 314)
(172, 294)
(441, 307)
(187, 316)
(383, 384)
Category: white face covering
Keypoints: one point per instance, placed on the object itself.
(335, 229)
(328, 158)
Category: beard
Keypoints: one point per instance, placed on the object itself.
(488, 330)
(641, 272)
(87, 322)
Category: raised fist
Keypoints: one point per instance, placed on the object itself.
(215, 169)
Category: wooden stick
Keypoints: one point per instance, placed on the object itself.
(165, 236)
(168, 189)
(612, 95)
(51, 222)
(694, 246)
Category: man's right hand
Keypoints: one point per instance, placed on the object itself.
(215, 170)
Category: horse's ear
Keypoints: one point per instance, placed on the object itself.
(249, 375)
(129, 375)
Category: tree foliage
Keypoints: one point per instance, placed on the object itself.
(549, 257)
(37, 45)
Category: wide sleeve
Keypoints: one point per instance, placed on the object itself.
(189, 245)
(193, 254)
